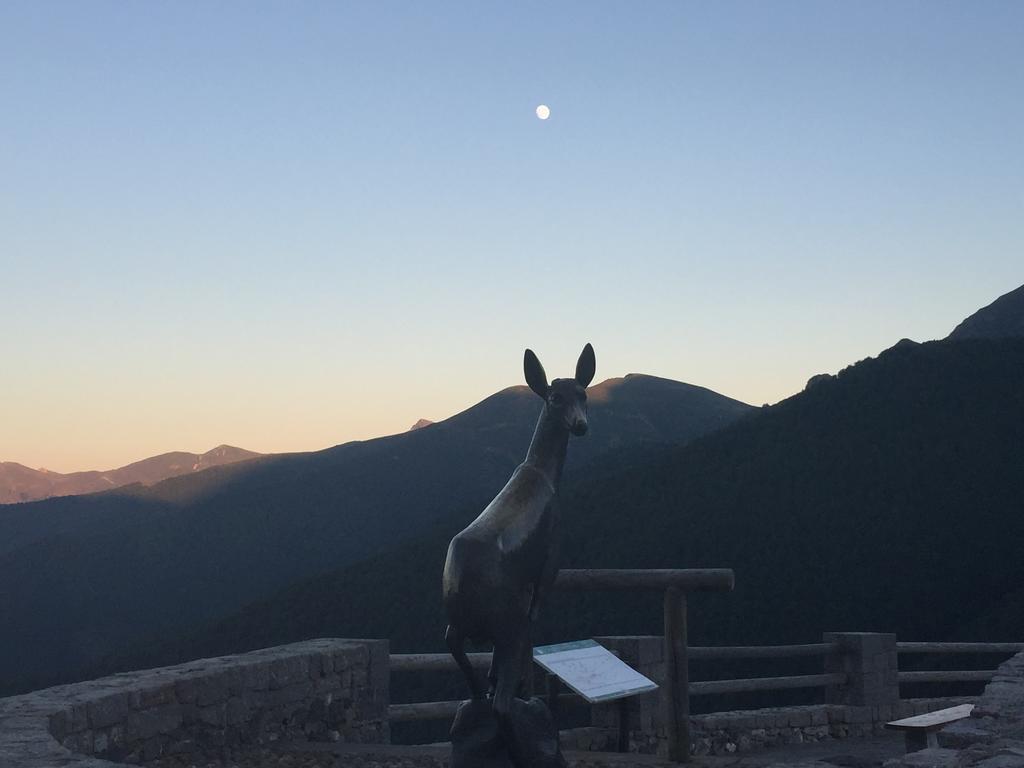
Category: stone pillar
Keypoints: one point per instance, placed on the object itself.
(645, 654)
(869, 661)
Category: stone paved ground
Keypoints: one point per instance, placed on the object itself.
(868, 752)
(845, 753)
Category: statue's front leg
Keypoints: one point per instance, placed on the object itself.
(539, 594)
(492, 674)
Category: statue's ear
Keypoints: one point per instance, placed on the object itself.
(535, 375)
(586, 366)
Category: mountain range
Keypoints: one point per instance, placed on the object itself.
(85, 578)
(887, 498)
(19, 483)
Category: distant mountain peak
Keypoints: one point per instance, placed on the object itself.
(19, 483)
(1001, 319)
(420, 424)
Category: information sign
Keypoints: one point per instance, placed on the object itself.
(592, 671)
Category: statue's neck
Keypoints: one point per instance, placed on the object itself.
(547, 449)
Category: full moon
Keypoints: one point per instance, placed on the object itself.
(543, 112)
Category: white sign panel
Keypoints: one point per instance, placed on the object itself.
(591, 670)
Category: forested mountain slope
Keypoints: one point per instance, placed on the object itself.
(85, 577)
(888, 498)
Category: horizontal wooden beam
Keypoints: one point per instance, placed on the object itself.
(429, 662)
(420, 662)
(947, 676)
(752, 684)
(761, 651)
(659, 579)
(959, 647)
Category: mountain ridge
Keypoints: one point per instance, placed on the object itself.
(197, 546)
(1003, 318)
(848, 505)
(19, 483)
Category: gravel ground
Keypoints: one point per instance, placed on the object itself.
(846, 753)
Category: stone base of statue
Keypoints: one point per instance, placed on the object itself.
(529, 739)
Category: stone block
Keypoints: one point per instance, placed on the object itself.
(299, 691)
(742, 722)
(108, 710)
(321, 665)
(288, 670)
(816, 732)
(793, 736)
(185, 690)
(379, 668)
(78, 717)
(237, 710)
(211, 689)
(183, 746)
(858, 715)
(152, 748)
(155, 697)
(869, 662)
(256, 677)
(339, 712)
(965, 733)
(237, 680)
(211, 715)
(360, 675)
(346, 659)
(80, 743)
(150, 722)
(325, 686)
(58, 724)
(710, 723)
(799, 718)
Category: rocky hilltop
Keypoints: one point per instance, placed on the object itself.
(1003, 318)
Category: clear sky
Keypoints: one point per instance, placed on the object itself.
(288, 225)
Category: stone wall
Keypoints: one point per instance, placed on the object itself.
(317, 690)
(862, 706)
(726, 733)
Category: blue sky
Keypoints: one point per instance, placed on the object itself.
(287, 225)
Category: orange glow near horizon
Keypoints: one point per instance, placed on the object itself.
(108, 420)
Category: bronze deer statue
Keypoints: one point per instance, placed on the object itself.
(500, 567)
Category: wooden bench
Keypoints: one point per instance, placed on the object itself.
(919, 731)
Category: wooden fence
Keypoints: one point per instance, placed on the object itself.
(677, 688)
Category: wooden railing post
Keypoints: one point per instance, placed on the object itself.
(677, 677)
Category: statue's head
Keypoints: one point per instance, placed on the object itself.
(564, 399)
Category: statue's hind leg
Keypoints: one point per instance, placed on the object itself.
(492, 673)
(492, 676)
(509, 655)
(456, 646)
(525, 669)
